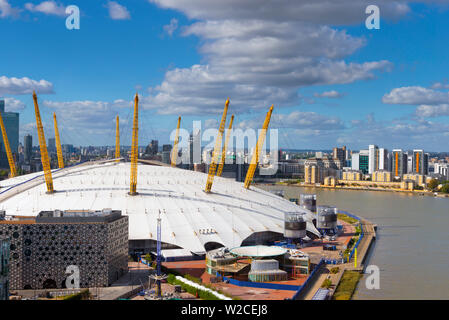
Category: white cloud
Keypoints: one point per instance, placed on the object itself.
(427, 111)
(13, 105)
(257, 63)
(440, 85)
(415, 95)
(47, 7)
(315, 11)
(24, 85)
(85, 114)
(329, 94)
(171, 28)
(117, 11)
(6, 10)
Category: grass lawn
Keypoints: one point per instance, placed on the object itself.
(347, 285)
(346, 218)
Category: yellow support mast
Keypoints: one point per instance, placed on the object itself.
(259, 146)
(218, 141)
(134, 149)
(12, 164)
(43, 146)
(58, 144)
(117, 140)
(225, 147)
(174, 155)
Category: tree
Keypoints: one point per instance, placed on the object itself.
(445, 188)
(433, 184)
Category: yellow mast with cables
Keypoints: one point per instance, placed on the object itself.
(218, 141)
(134, 149)
(225, 147)
(174, 155)
(58, 144)
(44, 154)
(117, 140)
(12, 164)
(259, 146)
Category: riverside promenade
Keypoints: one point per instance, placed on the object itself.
(356, 263)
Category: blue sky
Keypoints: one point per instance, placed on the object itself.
(332, 81)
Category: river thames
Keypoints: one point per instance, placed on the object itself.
(411, 249)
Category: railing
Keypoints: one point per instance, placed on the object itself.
(304, 285)
(351, 254)
(264, 285)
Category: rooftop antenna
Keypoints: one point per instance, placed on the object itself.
(259, 146)
(218, 141)
(43, 146)
(134, 149)
(225, 146)
(58, 143)
(117, 140)
(12, 165)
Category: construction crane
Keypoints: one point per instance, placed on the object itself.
(117, 140)
(12, 164)
(213, 164)
(225, 147)
(134, 149)
(174, 155)
(58, 144)
(43, 147)
(259, 146)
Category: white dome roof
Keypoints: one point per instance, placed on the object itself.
(190, 217)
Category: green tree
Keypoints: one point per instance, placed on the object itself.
(433, 184)
(445, 188)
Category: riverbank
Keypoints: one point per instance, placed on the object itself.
(413, 192)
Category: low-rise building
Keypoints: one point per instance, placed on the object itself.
(419, 179)
(352, 176)
(382, 176)
(330, 181)
(408, 185)
(42, 247)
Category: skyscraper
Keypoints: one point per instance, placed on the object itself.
(398, 163)
(420, 164)
(339, 153)
(28, 147)
(11, 122)
(360, 161)
(51, 145)
(373, 161)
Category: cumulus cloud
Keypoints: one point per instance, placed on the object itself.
(47, 7)
(316, 11)
(117, 11)
(13, 105)
(256, 60)
(171, 28)
(24, 86)
(440, 85)
(415, 95)
(6, 10)
(85, 114)
(329, 94)
(427, 111)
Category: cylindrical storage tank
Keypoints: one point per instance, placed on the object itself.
(327, 217)
(294, 225)
(308, 201)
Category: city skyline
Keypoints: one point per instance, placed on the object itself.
(332, 81)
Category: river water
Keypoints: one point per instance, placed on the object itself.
(412, 245)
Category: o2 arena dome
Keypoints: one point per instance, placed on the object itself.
(193, 220)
